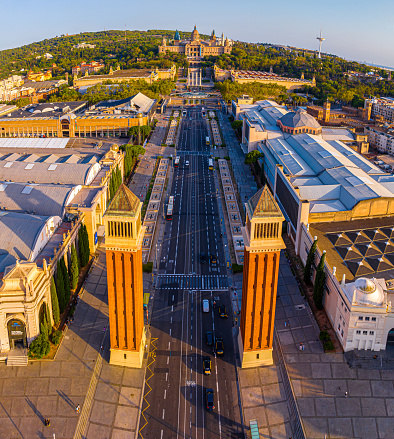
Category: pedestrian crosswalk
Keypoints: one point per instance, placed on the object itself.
(203, 153)
(192, 281)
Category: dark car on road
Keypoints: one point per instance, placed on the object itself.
(222, 312)
(209, 338)
(214, 259)
(219, 346)
(206, 365)
(209, 399)
(203, 258)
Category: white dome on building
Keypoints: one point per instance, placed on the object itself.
(368, 292)
(365, 285)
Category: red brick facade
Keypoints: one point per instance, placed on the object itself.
(259, 288)
(125, 299)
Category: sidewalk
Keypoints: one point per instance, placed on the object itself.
(320, 379)
(111, 408)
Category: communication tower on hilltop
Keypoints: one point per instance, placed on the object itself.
(321, 39)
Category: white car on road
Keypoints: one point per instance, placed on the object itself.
(205, 305)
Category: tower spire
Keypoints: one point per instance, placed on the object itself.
(321, 39)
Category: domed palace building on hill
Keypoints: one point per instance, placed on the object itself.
(197, 48)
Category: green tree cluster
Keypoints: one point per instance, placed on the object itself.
(55, 303)
(39, 347)
(309, 261)
(252, 157)
(83, 245)
(131, 154)
(66, 280)
(231, 90)
(73, 268)
(114, 182)
(237, 127)
(60, 287)
(140, 132)
(320, 281)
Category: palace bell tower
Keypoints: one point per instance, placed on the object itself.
(262, 236)
(123, 243)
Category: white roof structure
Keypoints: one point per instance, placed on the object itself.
(27, 142)
(23, 236)
(139, 103)
(38, 199)
(44, 173)
(326, 171)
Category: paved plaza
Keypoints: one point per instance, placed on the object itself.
(109, 396)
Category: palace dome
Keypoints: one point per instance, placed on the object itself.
(299, 119)
(195, 34)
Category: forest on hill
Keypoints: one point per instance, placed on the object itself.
(139, 49)
(129, 49)
(331, 81)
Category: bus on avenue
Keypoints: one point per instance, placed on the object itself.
(176, 163)
(210, 164)
(207, 140)
(170, 208)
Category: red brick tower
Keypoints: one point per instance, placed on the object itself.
(123, 242)
(263, 241)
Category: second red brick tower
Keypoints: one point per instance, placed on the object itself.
(263, 242)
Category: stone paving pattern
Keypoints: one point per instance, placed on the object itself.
(52, 389)
(320, 380)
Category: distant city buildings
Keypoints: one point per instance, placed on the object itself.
(369, 77)
(91, 67)
(249, 76)
(84, 46)
(356, 118)
(381, 138)
(34, 86)
(197, 48)
(39, 76)
(46, 56)
(382, 108)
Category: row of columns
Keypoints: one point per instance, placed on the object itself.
(194, 78)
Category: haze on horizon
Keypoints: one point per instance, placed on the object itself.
(354, 29)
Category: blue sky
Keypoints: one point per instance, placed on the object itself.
(355, 29)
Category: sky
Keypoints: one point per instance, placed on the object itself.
(360, 30)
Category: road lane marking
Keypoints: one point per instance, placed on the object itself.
(165, 393)
(164, 410)
(152, 356)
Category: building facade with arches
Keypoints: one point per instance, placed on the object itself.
(24, 294)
